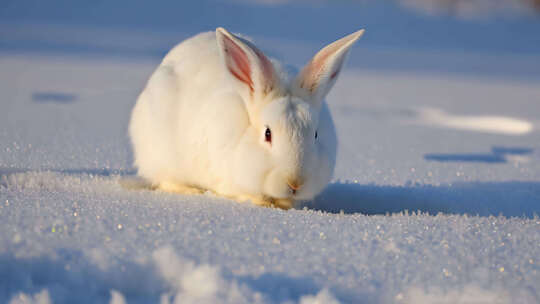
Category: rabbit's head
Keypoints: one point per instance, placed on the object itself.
(291, 148)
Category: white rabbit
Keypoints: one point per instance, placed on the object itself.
(218, 115)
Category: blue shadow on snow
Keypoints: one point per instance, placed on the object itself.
(71, 277)
(511, 199)
(53, 97)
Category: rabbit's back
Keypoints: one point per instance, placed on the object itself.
(177, 113)
(195, 53)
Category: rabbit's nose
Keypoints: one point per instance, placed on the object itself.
(294, 185)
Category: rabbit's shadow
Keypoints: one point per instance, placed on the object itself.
(511, 198)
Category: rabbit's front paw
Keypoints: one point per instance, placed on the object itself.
(281, 203)
(179, 188)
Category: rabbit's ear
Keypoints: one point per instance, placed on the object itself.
(319, 75)
(246, 63)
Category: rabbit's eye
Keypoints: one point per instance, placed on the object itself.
(268, 135)
(316, 135)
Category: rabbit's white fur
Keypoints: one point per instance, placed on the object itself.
(200, 123)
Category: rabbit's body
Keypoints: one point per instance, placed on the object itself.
(202, 123)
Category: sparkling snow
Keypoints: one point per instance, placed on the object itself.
(435, 198)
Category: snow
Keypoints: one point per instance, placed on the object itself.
(435, 198)
(39, 298)
(484, 123)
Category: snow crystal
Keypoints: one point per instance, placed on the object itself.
(117, 298)
(470, 294)
(323, 297)
(41, 297)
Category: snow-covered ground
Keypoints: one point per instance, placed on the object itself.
(435, 198)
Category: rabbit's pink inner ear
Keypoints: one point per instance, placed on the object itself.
(237, 62)
(316, 68)
(319, 74)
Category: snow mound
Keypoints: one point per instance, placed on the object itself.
(191, 283)
(41, 297)
(475, 123)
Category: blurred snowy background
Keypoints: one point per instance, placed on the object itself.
(400, 33)
(436, 193)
